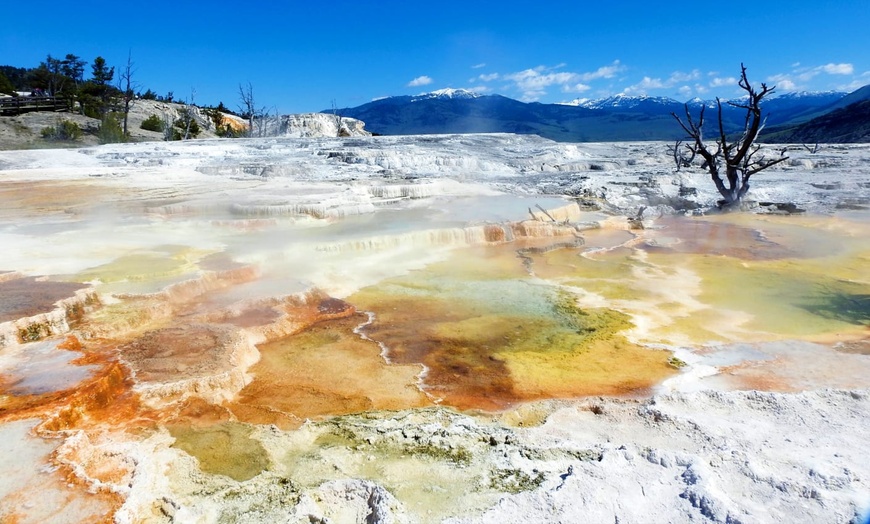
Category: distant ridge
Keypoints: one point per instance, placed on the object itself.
(617, 118)
(448, 93)
(849, 123)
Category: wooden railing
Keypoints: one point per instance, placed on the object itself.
(22, 104)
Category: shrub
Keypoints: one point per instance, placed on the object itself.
(63, 130)
(180, 126)
(228, 131)
(214, 116)
(152, 123)
(5, 85)
(110, 131)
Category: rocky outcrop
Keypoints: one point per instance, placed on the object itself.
(313, 125)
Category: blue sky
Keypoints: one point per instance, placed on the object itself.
(299, 56)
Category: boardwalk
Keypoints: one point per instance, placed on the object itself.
(25, 104)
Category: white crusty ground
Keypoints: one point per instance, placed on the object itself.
(703, 456)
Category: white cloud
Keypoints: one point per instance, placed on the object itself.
(852, 86)
(608, 71)
(787, 85)
(721, 82)
(679, 76)
(576, 88)
(488, 78)
(785, 82)
(478, 66)
(652, 83)
(420, 81)
(806, 76)
(779, 78)
(648, 83)
(802, 77)
(838, 69)
(534, 83)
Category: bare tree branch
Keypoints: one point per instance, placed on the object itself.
(127, 87)
(736, 156)
(683, 154)
(249, 110)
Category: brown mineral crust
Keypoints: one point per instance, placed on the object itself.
(326, 369)
(537, 229)
(331, 308)
(264, 415)
(105, 397)
(717, 238)
(195, 411)
(252, 317)
(21, 516)
(295, 314)
(191, 293)
(47, 197)
(180, 351)
(71, 343)
(860, 346)
(750, 376)
(494, 362)
(104, 400)
(30, 296)
(494, 233)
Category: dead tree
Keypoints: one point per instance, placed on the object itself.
(249, 109)
(684, 154)
(336, 116)
(168, 125)
(738, 157)
(126, 86)
(812, 150)
(187, 116)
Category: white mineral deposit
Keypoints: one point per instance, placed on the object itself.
(418, 329)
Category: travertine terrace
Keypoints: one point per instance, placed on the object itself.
(463, 328)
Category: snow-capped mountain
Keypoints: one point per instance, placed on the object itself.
(621, 101)
(812, 95)
(697, 103)
(625, 102)
(619, 117)
(447, 93)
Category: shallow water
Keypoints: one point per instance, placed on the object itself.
(229, 328)
(795, 282)
(29, 296)
(41, 367)
(491, 338)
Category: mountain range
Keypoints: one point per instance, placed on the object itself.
(617, 118)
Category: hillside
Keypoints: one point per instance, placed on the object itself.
(24, 131)
(850, 124)
(617, 118)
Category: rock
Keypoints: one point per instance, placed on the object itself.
(781, 208)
